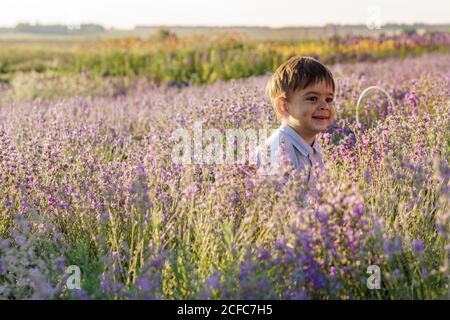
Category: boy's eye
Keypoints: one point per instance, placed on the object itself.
(329, 100)
(313, 99)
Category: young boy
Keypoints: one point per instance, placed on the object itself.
(302, 94)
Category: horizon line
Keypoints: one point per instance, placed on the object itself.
(329, 24)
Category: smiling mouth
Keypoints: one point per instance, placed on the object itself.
(320, 117)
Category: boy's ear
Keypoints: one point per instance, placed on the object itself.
(281, 106)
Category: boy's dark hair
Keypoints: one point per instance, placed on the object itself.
(296, 74)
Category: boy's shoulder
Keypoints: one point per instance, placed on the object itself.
(268, 151)
(274, 138)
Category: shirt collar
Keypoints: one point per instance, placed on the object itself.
(299, 143)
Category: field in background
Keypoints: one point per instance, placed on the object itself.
(82, 61)
(87, 178)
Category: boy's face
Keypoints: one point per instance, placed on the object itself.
(310, 110)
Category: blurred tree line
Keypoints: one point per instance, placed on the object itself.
(55, 28)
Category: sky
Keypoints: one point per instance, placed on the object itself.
(126, 14)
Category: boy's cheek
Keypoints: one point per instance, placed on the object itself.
(305, 114)
(333, 115)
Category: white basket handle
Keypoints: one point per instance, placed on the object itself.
(367, 90)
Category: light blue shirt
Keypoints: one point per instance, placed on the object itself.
(302, 155)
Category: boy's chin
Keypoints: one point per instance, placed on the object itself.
(319, 129)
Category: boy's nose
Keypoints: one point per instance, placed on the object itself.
(323, 105)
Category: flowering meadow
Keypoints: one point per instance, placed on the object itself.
(88, 181)
(167, 57)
